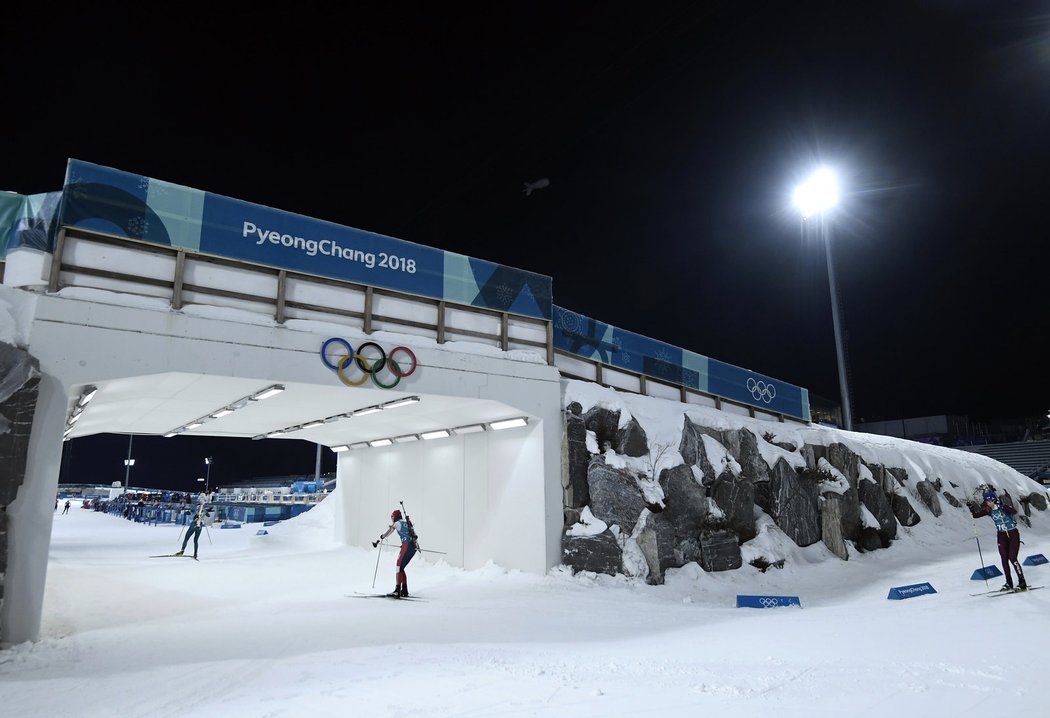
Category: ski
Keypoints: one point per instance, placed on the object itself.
(1010, 593)
(174, 555)
(357, 594)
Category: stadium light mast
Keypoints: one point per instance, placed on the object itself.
(128, 463)
(815, 198)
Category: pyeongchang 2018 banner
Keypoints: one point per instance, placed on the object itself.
(118, 203)
(588, 338)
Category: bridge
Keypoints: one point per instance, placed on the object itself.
(149, 308)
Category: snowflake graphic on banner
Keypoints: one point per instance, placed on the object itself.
(505, 294)
(138, 226)
(571, 321)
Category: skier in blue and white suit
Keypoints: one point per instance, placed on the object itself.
(1009, 538)
(408, 550)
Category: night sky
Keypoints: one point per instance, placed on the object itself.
(672, 134)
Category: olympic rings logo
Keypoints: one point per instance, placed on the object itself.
(369, 364)
(761, 390)
(769, 602)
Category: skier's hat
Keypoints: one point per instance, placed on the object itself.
(989, 495)
(395, 515)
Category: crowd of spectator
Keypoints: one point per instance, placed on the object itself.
(166, 507)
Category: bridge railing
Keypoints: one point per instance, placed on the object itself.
(179, 278)
(176, 278)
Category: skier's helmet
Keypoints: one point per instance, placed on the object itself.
(395, 515)
(989, 495)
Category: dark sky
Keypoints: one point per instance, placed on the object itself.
(672, 135)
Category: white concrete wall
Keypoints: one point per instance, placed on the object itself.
(475, 498)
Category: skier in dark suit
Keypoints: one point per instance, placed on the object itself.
(1007, 535)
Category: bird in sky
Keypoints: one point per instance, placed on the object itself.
(538, 184)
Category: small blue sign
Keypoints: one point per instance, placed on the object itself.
(767, 601)
(270, 523)
(1035, 559)
(984, 573)
(916, 589)
(231, 526)
(262, 532)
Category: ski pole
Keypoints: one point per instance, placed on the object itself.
(378, 554)
(974, 522)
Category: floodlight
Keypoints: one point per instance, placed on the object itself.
(820, 192)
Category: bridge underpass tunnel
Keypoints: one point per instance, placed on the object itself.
(475, 497)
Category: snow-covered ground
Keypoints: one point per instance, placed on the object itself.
(265, 625)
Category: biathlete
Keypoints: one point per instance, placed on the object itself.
(1007, 535)
(408, 550)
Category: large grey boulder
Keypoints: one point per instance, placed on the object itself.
(600, 553)
(720, 551)
(736, 499)
(794, 506)
(604, 423)
(927, 491)
(615, 496)
(904, 511)
(832, 522)
(685, 502)
(743, 445)
(692, 449)
(875, 501)
(577, 459)
(631, 439)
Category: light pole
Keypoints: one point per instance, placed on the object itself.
(207, 481)
(816, 197)
(128, 463)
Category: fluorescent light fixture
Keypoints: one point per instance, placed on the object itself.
(359, 445)
(406, 438)
(312, 424)
(194, 424)
(380, 442)
(439, 434)
(268, 392)
(340, 449)
(221, 413)
(469, 429)
(170, 434)
(366, 410)
(75, 418)
(272, 434)
(88, 395)
(401, 402)
(507, 423)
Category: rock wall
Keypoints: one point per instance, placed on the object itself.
(19, 378)
(707, 505)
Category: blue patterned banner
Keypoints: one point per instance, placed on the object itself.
(591, 339)
(109, 201)
(28, 221)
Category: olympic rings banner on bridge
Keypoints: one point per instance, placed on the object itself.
(118, 203)
(355, 367)
(588, 338)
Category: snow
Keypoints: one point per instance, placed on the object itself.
(268, 625)
(265, 625)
